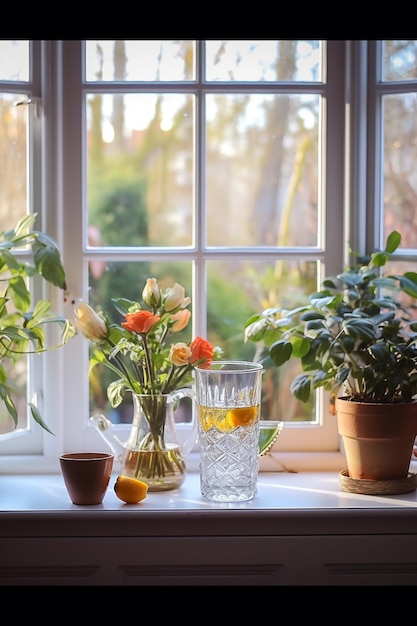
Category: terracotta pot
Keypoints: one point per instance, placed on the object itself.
(378, 438)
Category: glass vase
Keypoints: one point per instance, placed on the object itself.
(152, 452)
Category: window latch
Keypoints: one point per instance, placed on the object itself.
(36, 102)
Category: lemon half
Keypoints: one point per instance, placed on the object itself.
(130, 490)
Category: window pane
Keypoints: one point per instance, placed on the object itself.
(400, 268)
(127, 280)
(13, 159)
(400, 60)
(140, 60)
(13, 206)
(238, 289)
(140, 169)
(400, 155)
(252, 60)
(262, 170)
(14, 60)
(16, 378)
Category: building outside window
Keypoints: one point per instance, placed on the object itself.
(242, 169)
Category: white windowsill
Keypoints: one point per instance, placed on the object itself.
(277, 491)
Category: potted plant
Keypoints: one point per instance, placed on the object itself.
(357, 339)
(23, 328)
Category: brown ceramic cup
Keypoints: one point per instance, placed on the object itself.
(86, 475)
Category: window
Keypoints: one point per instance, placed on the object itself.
(240, 169)
(20, 155)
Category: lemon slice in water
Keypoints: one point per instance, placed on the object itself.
(242, 416)
(269, 431)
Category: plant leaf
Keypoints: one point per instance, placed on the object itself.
(38, 419)
(280, 352)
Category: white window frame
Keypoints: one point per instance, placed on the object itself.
(346, 197)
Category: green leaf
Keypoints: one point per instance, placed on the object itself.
(10, 260)
(350, 278)
(300, 347)
(8, 402)
(124, 305)
(268, 433)
(14, 333)
(325, 302)
(342, 375)
(329, 283)
(255, 331)
(311, 315)
(362, 328)
(38, 419)
(380, 352)
(41, 310)
(252, 319)
(19, 293)
(48, 261)
(280, 352)
(23, 226)
(379, 259)
(301, 387)
(270, 336)
(116, 392)
(393, 241)
(315, 324)
(347, 343)
(408, 283)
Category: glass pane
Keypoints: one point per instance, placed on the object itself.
(14, 60)
(400, 268)
(262, 170)
(238, 289)
(16, 378)
(140, 60)
(127, 280)
(13, 206)
(400, 60)
(140, 169)
(13, 160)
(14, 66)
(252, 60)
(400, 175)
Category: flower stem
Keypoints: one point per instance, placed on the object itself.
(154, 459)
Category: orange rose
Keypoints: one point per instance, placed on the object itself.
(201, 350)
(140, 322)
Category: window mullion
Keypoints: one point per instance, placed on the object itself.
(199, 235)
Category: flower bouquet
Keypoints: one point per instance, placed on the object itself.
(138, 352)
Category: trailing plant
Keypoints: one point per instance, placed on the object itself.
(22, 324)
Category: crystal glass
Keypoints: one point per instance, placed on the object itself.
(228, 396)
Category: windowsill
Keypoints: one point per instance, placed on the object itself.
(277, 492)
